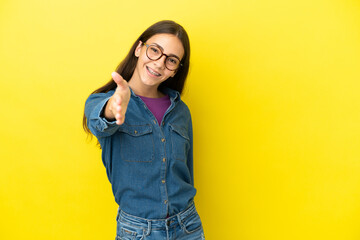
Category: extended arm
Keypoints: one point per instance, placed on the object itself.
(106, 111)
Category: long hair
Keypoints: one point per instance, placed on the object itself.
(127, 66)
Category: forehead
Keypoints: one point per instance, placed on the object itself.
(170, 43)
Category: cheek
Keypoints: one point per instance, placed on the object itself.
(143, 59)
(140, 63)
(168, 75)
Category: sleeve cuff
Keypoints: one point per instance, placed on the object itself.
(103, 122)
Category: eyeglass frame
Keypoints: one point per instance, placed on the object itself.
(162, 54)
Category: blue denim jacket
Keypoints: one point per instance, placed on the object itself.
(149, 166)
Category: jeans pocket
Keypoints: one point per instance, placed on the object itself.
(126, 234)
(127, 231)
(192, 223)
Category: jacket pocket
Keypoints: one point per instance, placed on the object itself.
(136, 143)
(180, 141)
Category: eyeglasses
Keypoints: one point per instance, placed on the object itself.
(154, 52)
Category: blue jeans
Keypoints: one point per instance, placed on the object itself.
(185, 225)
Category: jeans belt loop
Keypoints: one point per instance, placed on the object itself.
(148, 228)
(179, 220)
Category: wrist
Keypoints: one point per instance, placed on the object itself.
(107, 113)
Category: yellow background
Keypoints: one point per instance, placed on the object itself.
(275, 98)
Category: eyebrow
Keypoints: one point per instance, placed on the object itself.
(162, 49)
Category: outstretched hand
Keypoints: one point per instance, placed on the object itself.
(117, 104)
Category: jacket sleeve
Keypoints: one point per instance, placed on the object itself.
(98, 125)
(190, 158)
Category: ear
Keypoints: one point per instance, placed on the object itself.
(138, 49)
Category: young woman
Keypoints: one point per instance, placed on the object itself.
(145, 133)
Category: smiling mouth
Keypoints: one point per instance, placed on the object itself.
(152, 72)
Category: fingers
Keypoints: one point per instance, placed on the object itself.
(118, 114)
(119, 120)
(117, 110)
(121, 98)
(117, 77)
(117, 99)
(119, 80)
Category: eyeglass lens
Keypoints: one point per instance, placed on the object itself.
(154, 53)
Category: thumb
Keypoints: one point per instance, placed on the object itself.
(119, 80)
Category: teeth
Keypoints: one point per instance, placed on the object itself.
(156, 74)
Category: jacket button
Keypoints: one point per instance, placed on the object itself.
(163, 139)
(164, 159)
(163, 181)
(135, 132)
(165, 202)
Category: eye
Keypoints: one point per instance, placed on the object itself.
(173, 61)
(154, 49)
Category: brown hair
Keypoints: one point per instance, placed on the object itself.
(127, 66)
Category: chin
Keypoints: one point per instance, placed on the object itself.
(150, 82)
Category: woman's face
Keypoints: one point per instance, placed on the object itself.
(153, 72)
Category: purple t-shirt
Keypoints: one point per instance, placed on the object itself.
(157, 106)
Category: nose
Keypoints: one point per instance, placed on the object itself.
(161, 61)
